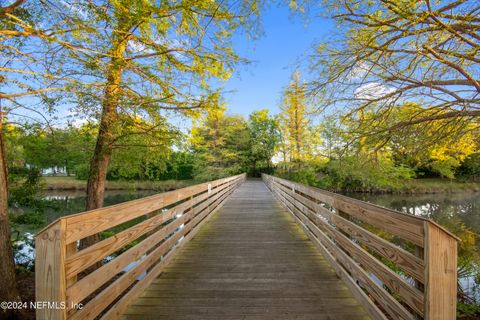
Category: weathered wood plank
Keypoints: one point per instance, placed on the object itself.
(382, 297)
(395, 223)
(343, 274)
(249, 254)
(59, 261)
(123, 303)
(402, 258)
(94, 280)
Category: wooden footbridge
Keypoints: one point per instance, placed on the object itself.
(247, 249)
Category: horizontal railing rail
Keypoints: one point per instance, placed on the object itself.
(399, 266)
(140, 237)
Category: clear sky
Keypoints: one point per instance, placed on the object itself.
(285, 44)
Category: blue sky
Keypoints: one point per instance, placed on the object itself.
(285, 44)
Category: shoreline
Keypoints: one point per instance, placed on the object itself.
(415, 186)
(72, 184)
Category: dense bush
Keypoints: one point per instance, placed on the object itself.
(24, 184)
(81, 171)
(352, 174)
(470, 167)
(178, 167)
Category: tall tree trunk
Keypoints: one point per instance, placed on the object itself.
(103, 148)
(99, 166)
(8, 285)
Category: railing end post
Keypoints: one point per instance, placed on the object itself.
(441, 273)
(50, 281)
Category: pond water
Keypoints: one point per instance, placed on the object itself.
(458, 212)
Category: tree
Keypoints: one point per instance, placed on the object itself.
(392, 52)
(299, 136)
(11, 42)
(30, 75)
(8, 289)
(180, 165)
(34, 145)
(119, 61)
(264, 136)
(437, 148)
(144, 59)
(221, 143)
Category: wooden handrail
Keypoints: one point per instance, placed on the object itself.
(152, 231)
(399, 266)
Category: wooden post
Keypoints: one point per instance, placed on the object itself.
(441, 273)
(50, 279)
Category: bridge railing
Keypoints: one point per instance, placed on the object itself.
(140, 238)
(399, 266)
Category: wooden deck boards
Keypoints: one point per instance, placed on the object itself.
(250, 261)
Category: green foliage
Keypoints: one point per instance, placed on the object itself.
(264, 137)
(44, 148)
(225, 145)
(445, 168)
(221, 144)
(433, 150)
(140, 155)
(82, 171)
(352, 174)
(179, 167)
(466, 310)
(470, 167)
(136, 156)
(24, 184)
(35, 218)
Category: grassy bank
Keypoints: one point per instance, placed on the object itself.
(70, 183)
(418, 186)
(362, 182)
(437, 186)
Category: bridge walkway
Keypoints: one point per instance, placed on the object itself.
(249, 261)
